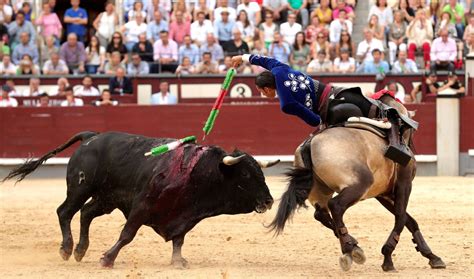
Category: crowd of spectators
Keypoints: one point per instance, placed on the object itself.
(200, 37)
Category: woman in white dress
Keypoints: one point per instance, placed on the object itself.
(106, 23)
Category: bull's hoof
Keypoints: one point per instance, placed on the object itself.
(65, 254)
(388, 268)
(437, 263)
(345, 261)
(106, 263)
(78, 255)
(358, 255)
(181, 263)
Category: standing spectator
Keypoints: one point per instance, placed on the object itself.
(76, 20)
(420, 35)
(206, 66)
(26, 66)
(190, 50)
(200, 28)
(105, 24)
(165, 52)
(162, 6)
(144, 48)
(383, 12)
(120, 84)
(212, 47)
(342, 6)
(185, 68)
(55, 66)
(320, 64)
(338, 26)
(311, 32)
(377, 65)
(71, 101)
(277, 8)
(396, 36)
(321, 43)
(43, 100)
(164, 97)
(7, 68)
(456, 10)
(443, 52)
(237, 46)
(5, 100)
(252, 9)
(113, 64)
(74, 54)
(323, 12)
(105, 99)
(223, 28)
(33, 88)
(377, 29)
(155, 27)
(87, 88)
(95, 56)
(179, 28)
(344, 63)
(25, 47)
(18, 27)
(50, 24)
(137, 67)
(289, 29)
(132, 29)
(117, 45)
(279, 49)
(298, 8)
(138, 9)
(299, 57)
(224, 6)
(6, 12)
(404, 65)
(246, 27)
(345, 42)
(267, 29)
(365, 48)
(203, 7)
(48, 48)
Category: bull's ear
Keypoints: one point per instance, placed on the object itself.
(230, 160)
(266, 164)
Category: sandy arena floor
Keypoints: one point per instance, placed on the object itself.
(238, 246)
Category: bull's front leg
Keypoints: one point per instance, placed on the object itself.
(177, 259)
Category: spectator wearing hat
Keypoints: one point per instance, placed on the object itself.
(224, 6)
(25, 47)
(377, 65)
(5, 99)
(71, 101)
(223, 28)
(76, 19)
(443, 52)
(6, 66)
(55, 66)
(404, 65)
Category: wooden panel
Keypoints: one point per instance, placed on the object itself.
(467, 124)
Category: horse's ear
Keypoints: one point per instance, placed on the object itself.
(412, 113)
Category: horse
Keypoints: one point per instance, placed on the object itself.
(351, 163)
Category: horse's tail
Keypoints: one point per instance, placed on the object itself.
(30, 165)
(299, 187)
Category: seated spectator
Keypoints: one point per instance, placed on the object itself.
(279, 49)
(377, 65)
(377, 29)
(164, 97)
(342, 6)
(400, 95)
(383, 12)
(120, 84)
(43, 100)
(396, 35)
(469, 46)
(138, 9)
(95, 56)
(200, 28)
(223, 68)
(289, 29)
(71, 101)
(207, 65)
(469, 28)
(347, 43)
(311, 32)
(344, 63)
(223, 5)
(181, 6)
(87, 88)
(237, 46)
(456, 10)
(445, 23)
(337, 27)
(365, 48)
(113, 64)
(452, 83)
(155, 27)
(6, 12)
(165, 52)
(190, 50)
(76, 20)
(144, 48)
(320, 65)
(132, 29)
(323, 12)
(117, 45)
(105, 23)
(213, 47)
(277, 8)
(185, 68)
(27, 67)
(137, 66)
(47, 49)
(258, 49)
(179, 28)
(11, 84)
(267, 29)
(4, 47)
(246, 28)
(407, 11)
(430, 87)
(105, 100)
(443, 52)
(300, 54)
(25, 47)
(55, 66)
(33, 88)
(74, 54)
(223, 28)
(7, 68)
(50, 24)
(18, 27)
(164, 7)
(404, 65)
(5, 99)
(420, 35)
(60, 90)
(321, 43)
(298, 8)
(252, 9)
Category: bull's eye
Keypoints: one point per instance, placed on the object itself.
(245, 174)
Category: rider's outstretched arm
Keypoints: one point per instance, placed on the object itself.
(263, 61)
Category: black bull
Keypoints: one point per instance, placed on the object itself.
(171, 193)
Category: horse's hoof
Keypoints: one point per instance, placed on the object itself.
(358, 255)
(106, 263)
(78, 255)
(388, 268)
(437, 263)
(345, 261)
(64, 254)
(180, 263)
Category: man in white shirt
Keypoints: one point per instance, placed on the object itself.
(70, 100)
(200, 28)
(404, 65)
(289, 29)
(5, 100)
(133, 29)
(86, 89)
(339, 25)
(365, 48)
(224, 6)
(7, 67)
(443, 52)
(163, 97)
(6, 12)
(33, 90)
(252, 9)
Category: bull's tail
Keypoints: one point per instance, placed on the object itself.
(299, 187)
(30, 165)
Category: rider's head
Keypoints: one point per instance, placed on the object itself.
(265, 82)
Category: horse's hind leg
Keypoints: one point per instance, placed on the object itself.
(412, 226)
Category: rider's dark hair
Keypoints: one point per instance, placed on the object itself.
(265, 79)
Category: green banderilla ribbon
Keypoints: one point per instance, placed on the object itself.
(155, 151)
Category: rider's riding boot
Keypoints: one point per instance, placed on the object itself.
(396, 150)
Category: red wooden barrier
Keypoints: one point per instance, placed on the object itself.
(467, 124)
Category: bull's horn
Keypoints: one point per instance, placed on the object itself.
(229, 160)
(266, 164)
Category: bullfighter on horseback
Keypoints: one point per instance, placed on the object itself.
(317, 103)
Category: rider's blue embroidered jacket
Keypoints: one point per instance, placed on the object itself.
(298, 93)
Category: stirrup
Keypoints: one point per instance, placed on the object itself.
(399, 154)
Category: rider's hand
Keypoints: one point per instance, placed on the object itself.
(236, 61)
